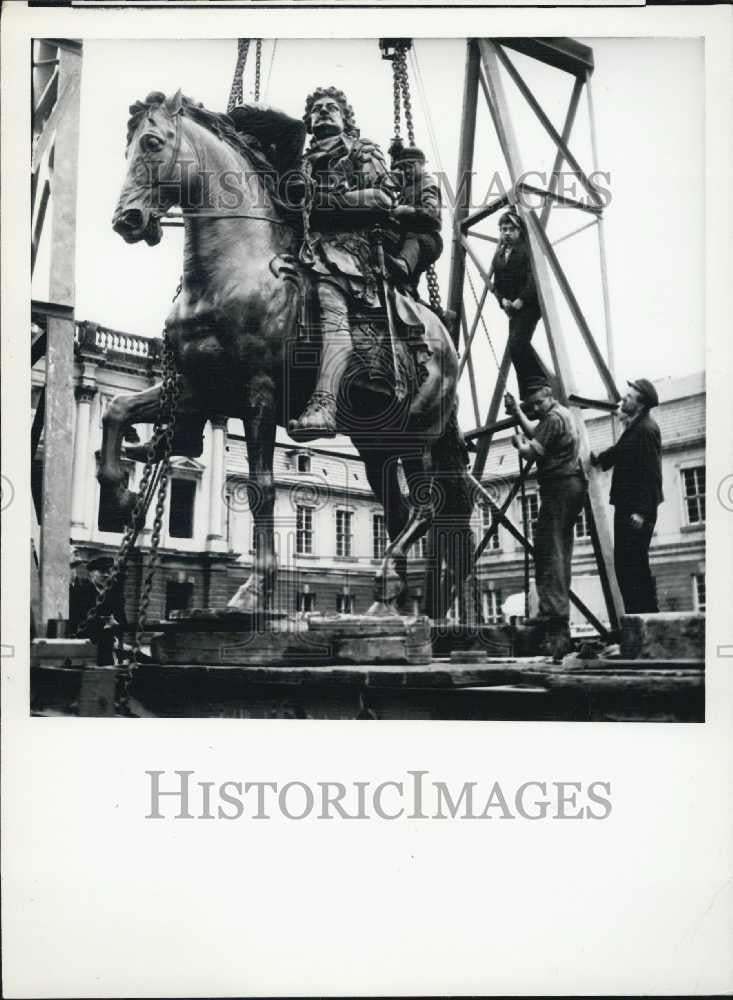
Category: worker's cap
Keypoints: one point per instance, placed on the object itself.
(535, 387)
(646, 390)
(513, 218)
(101, 562)
(405, 154)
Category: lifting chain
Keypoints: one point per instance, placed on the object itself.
(402, 99)
(258, 67)
(400, 70)
(236, 94)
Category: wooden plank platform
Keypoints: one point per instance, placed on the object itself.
(498, 688)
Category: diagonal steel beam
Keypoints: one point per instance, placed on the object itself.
(585, 331)
(547, 124)
(559, 156)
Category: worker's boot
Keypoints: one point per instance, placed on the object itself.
(559, 643)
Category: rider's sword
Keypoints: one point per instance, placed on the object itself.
(399, 385)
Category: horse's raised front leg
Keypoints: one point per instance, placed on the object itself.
(142, 408)
(259, 430)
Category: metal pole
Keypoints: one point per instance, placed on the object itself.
(463, 182)
(610, 361)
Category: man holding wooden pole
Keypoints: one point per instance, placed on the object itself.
(548, 434)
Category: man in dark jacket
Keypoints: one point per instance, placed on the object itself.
(513, 285)
(636, 492)
(418, 215)
(112, 619)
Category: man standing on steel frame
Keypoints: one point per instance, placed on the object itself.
(513, 285)
(553, 442)
(636, 492)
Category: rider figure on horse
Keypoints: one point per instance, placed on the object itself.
(351, 190)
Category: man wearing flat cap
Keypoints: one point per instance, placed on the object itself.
(553, 442)
(112, 619)
(417, 214)
(636, 492)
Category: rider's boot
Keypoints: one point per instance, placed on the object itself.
(319, 418)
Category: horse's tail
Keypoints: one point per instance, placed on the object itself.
(451, 542)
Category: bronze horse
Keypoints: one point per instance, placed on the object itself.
(232, 329)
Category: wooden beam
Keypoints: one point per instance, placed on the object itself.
(463, 183)
(59, 415)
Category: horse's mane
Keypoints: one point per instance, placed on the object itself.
(218, 123)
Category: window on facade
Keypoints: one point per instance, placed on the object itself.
(109, 517)
(180, 516)
(487, 518)
(531, 504)
(582, 525)
(178, 596)
(343, 532)
(379, 536)
(304, 530)
(491, 607)
(304, 463)
(306, 602)
(693, 484)
(698, 591)
(345, 604)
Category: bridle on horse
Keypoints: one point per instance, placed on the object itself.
(205, 213)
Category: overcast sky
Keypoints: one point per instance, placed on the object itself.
(648, 98)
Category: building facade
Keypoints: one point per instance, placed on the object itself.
(329, 528)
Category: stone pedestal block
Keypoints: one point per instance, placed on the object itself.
(664, 636)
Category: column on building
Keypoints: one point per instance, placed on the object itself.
(83, 458)
(215, 540)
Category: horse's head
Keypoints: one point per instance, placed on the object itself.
(153, 180)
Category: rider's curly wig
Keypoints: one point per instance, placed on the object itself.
(338, 95)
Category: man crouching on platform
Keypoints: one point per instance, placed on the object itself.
(553, 443)
(351, 191)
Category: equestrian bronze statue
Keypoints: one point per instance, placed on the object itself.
(285, 249)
